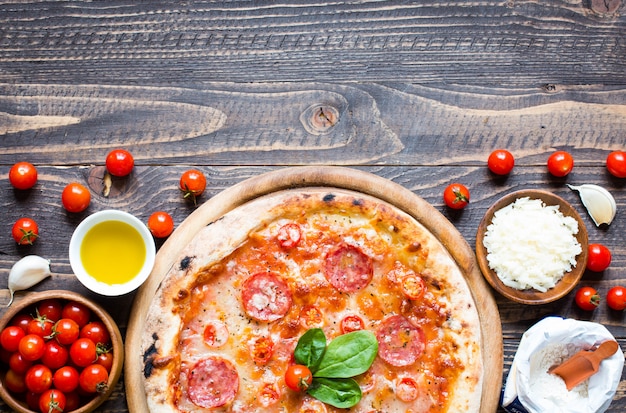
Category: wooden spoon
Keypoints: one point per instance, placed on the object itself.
(583, 364)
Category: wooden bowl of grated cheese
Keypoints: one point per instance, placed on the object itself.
(531, 246)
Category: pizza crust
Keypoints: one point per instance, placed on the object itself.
(220, 239)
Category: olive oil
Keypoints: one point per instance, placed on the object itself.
(113, 252)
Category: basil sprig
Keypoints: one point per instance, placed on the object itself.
(333, 366)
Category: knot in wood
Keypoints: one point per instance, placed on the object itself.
(319, 119)
(605, 6)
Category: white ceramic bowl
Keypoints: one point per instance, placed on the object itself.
(105, 288)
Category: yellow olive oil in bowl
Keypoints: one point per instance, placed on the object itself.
(112, 252)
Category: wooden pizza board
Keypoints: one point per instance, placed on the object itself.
(316, 176)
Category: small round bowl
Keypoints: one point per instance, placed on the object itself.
(113, 289)
(532, 296)
(98, 313)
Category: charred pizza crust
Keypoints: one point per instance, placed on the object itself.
(210, 279)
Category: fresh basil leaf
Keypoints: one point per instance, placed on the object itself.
(348, 355)
(340, 393)
(310, 348)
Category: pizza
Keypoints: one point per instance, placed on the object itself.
(222, 328)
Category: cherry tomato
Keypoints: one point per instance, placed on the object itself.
(77, 312)
(193, 184)
(75, 197)
(52, 400)
(560, 163)
(23, 175)
(25, 231)
(599, 258)
(616, 164)
(262, 350)
(32, 400)
(66, 379)
(311, 316)
(66, 331)
(413, 286)
(41, 326)
(407, 389)
(38, 378)
(10, 338)
(54, 355)
(97, 332)
(19, 364)
(15, 382)
(289, 235)
(501, 162)
(31, 347)
(83, 352)
(51, 309)
(93, 379)
(21, 321)
(456, 196)
(616, 298)
(298, 377)
(120, 162)
(72, 401)
(160, 224)
(351, 323)
(587, 298)
(105, 359)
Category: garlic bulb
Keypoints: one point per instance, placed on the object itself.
(27, 272)
(599, 202)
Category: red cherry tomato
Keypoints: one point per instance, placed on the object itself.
(587, 298)
(120, 162)
(72, 401)
(10, 338)
(66, 331)
(38, 378)
(15, 382)
(298, 377)
(93, 379)
(97, 332)
(75, 197)
(32, 347)
(52, 400)
(616, 298)
(560, 163)
(616, 164)
(23, 175)
(51, 309)
(501, 162)
(25, 231)
(19, 364)
(456, 196)
(77, 312)
(193, 184)
(21, 321)
(289, 235)
(161, 224)
(40, 326)
(599, 258)
(65, 379)
(83, 352)
(351, 323)
(105, 359)
(54, 355)
(262, 350)
(413, 286)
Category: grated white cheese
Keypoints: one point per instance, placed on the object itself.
(531, 245)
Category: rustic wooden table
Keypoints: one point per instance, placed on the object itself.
(418, 93)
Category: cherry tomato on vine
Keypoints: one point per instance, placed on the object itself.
(25, 231)
(587, 298)
(616, 298)
(120, 162)
(23, 175)
(456, 196)
(52, 400)
(93, 379)
(160, 224)
(193, 184)
(616, 164)
(599, 258)
(501, 162)
(298, 377)
(75, 197)
(560, 163)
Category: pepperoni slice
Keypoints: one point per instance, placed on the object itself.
(213, 382)
(266, 297)
(400, 343)
(289, 235)
(348, 269)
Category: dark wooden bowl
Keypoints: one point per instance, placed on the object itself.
(532, 296)
(99, 313)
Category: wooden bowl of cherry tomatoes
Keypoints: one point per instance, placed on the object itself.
(58, 352)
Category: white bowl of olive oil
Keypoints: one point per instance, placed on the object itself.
(112, 252)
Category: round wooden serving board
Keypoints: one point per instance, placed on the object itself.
(316, 176)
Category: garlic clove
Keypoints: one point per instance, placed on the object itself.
(599, 202)
(27, 272)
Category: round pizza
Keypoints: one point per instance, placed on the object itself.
(349, 287)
